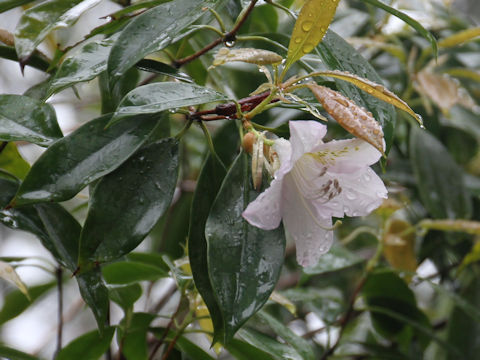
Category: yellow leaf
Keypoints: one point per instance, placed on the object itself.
(372, 88)
(398, 246)
(310, 27)
(8, 273)
(472, 257)
(460, 37)
(282, 300)
(353, 118)
(248, 55)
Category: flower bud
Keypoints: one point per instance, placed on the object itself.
(247, 142)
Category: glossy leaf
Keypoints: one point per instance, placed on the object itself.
(23, 118)
(245, 351)
(91, 345)
(37, 22)
(10, 4)
(158, 97)
(337, 54)
(95, 294)
(85, 155)
(126, 272)
(310, 27)
(13, 354)
(337, 258)
(125, 296)
(246, 55)
(127, 203)
(413, 23)
(85, 64)
(14, 303)
(152, 31)
(277, 350)
(192, 350)
(244, 261)
(12, 162)
(439, 178)
(163, 69)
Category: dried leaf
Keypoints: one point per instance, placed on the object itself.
(310, 27)
(372, 88)
(8, 273)
(353, 118)
(248, 55)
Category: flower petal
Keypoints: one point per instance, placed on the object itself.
(308, 231)
(347, 156)
(283, 148)
(305, 136)
(265, 211)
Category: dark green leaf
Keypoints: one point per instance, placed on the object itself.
(270, 346)
(23, 118)
(127, 203)
(36, 61)
(337, 54)
(244, 262)
(439, 179)
(85, 64)
(152, 31)
(125, 296)
(37, 22)
(8, 188)
(149, 259)
(301, 346)
(125, 272)
(413, 23)
(244, 351)
(85, 155)
(192, 350)
(158, 97)
(12, 162)
(10, 4)
(13, 354)
(163, 69)
(16, 302)
(89, 346)
(95, 294)
(337, 258)
(39, 91)
(134, 339)
(111, 96)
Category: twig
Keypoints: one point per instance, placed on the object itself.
(228, 37)
(59, 274)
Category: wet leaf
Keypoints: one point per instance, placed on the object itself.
(247, 55)
(152, 31)
(8, 273)
(350, 116)
(12, 162)
(37, 22)
(276, 350)
(85, 155)
(310, 27)
(163, 69)
(126, 204)
(244, 261)
(126, 272)
(24, 118)
(338, 258)
(91, 345)
(158, 97)
(95, 294)
(374, 89)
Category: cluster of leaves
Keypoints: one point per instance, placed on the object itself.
(133, 164)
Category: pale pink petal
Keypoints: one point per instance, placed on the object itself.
(305, 137)
(346, 156)
(265, 211)
(283, 148)
(301, 222)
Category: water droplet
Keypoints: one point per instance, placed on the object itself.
(307, 25)
(230, 44)
(307, 48)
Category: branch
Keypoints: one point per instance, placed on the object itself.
(228, 37)
(59, 274)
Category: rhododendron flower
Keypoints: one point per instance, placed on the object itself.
(315, 182)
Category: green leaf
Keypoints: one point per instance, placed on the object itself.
(127, 203)
(439, 179)
(85, 155)
(413, 23)
(10, 4)
(95, 294)
(89, 346)
(301, 346)
(337, 258)
(125, 296)
(37, 22)
(84, 64)
(8, 188)
(163, 69)
(310, 27)
(244, 262)
(192, 350)
(126, 272)
(13, 354)
(244, 351)
(158, 97)
(15, 302)
(277, 350)
(12, 162)
(337, 54)
(23, 118)
(37, 60)
(152, 31)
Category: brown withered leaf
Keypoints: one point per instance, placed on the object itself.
(353, 118)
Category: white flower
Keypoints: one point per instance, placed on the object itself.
(315, 182)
